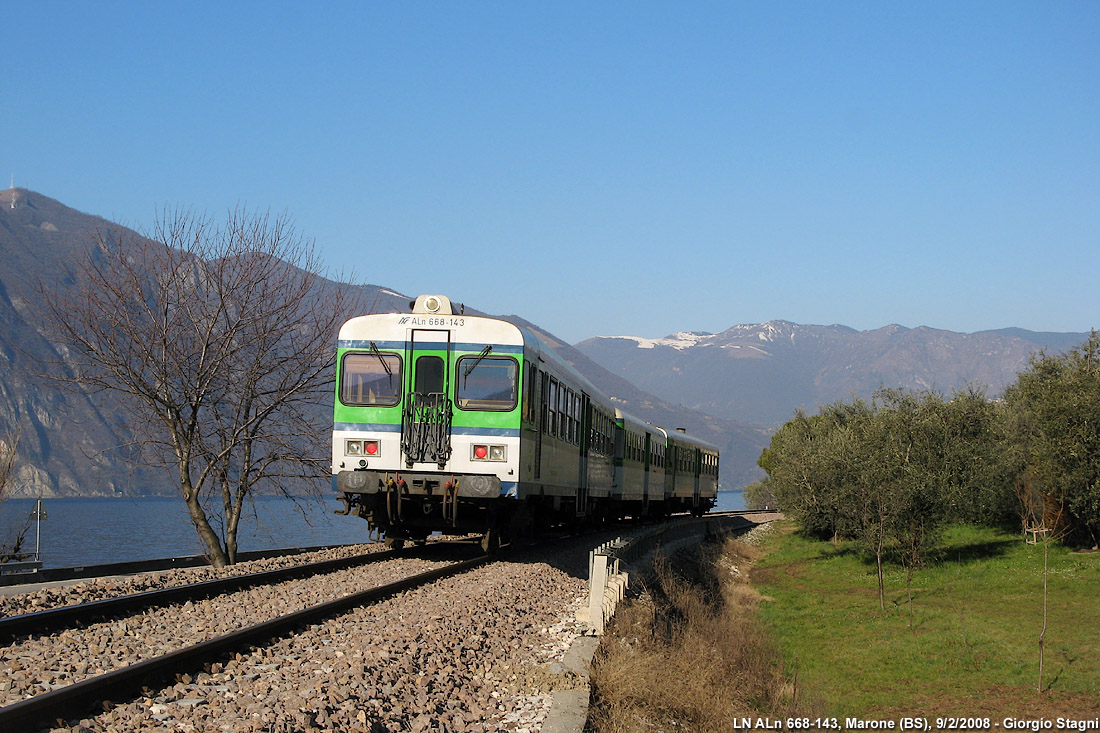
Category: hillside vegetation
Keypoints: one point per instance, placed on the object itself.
(890, 472)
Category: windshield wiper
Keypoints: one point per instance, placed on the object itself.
(482, 355)
(385, 365)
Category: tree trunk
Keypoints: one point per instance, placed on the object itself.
(909, 592)
(209, 537)
(1043, 633)
(881, 584)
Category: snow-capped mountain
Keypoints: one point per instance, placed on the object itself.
(761, 373)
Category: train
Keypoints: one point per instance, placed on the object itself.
(459, 424)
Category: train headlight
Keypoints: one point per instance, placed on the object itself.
(372, 447)
(353, 447)
(482, 452)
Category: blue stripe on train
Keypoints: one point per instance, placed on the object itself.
(429, 345)
(455, 429)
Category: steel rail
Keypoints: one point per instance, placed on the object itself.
(73, 700)
(67, 616)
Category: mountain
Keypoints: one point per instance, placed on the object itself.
(761, 373)
(70, 444)
(62, 435)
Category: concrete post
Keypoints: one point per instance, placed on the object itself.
(597, 584)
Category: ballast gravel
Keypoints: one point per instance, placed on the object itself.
(97, 589)
(43, 663)
(477, 652)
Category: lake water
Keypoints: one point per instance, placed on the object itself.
(95, 531)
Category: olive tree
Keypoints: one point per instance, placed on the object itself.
(874, 472)
(216, 339)
(1054, 409)
(1055, 406)
(915, 458)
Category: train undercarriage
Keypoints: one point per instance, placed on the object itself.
(409, 507)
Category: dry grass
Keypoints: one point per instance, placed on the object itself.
(690, 653)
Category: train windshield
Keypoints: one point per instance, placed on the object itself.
(372, 378)
(486, 383)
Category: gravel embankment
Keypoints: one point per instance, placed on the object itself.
(476, 652)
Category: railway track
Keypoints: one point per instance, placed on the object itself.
(72, 700)
(62, 617)
(121, 684)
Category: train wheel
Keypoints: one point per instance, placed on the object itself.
(395, 543)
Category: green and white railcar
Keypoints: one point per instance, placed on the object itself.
(454, 423)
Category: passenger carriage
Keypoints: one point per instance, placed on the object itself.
(691, 473)
(459, 424)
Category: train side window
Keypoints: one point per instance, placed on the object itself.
(370, 379)
(544, 403)
(553, 409)
(566, 408)
(525, 393)
(572, 408)
(576, 411)
(487, 383)
(576, 419)
(530, 392)
(572, 417)
(567, 415)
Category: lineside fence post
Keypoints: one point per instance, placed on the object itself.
(597, 585)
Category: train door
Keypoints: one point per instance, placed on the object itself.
(646, 469)
(426, 420)
(696, 466)
(543, 419)
(585, 444)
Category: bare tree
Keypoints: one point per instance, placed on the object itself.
(9, 446)
(217, 339)
(11, 543)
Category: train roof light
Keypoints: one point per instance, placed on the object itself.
(439, 305)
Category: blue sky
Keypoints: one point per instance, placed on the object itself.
(601, 168)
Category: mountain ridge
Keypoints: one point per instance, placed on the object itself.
(761, 373)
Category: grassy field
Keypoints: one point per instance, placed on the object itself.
(973, 647)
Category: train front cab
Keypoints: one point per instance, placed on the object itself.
(427, 421)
